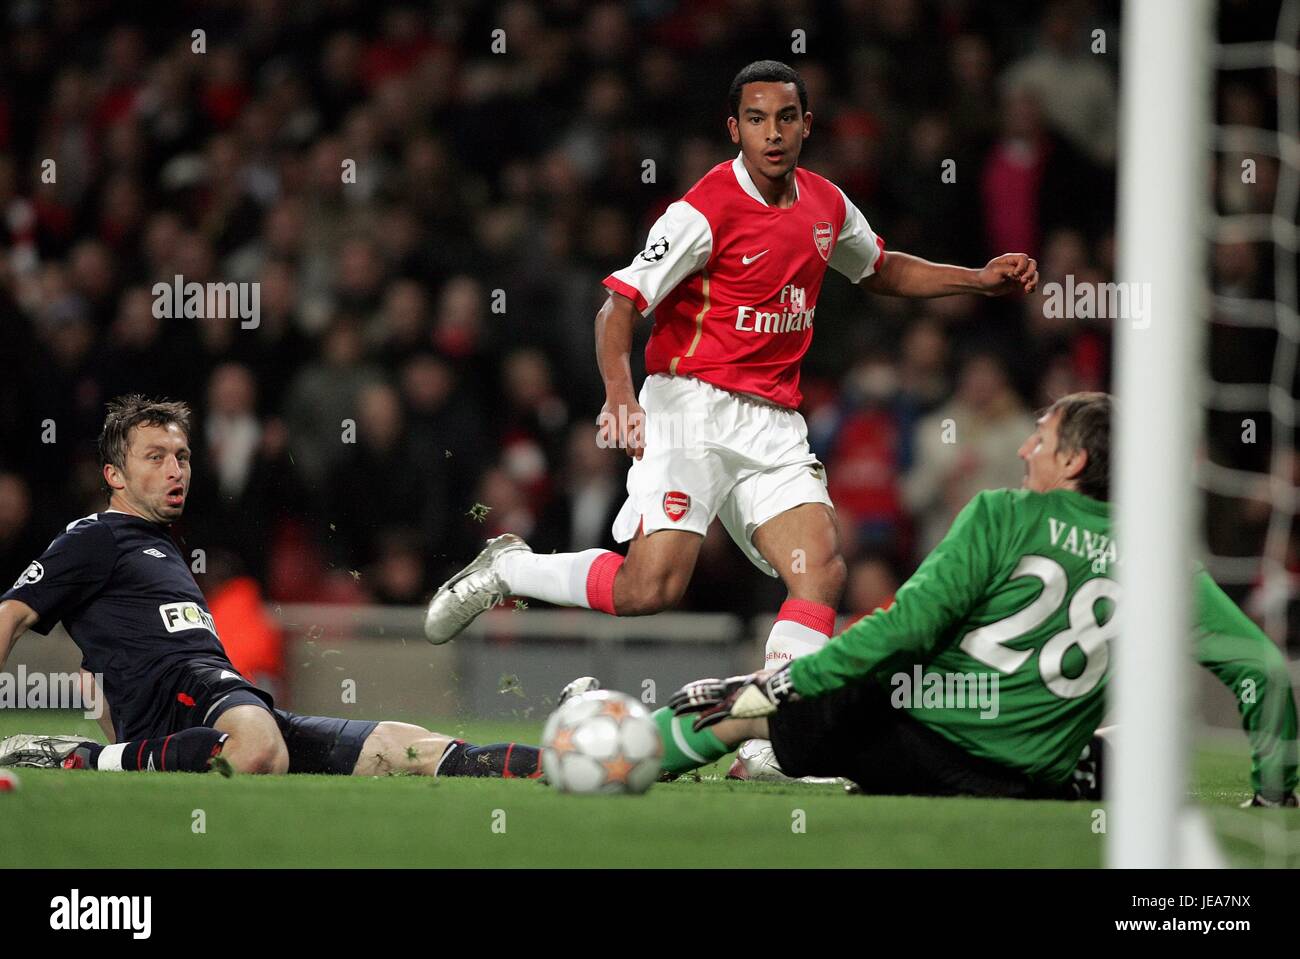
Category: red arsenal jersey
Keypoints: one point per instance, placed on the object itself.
(733, 282)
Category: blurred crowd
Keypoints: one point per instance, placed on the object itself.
(442, 298)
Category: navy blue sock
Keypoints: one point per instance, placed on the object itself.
(506, 760)
(190, 750)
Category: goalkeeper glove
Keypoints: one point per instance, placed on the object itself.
(739, 697)
(1258, 800)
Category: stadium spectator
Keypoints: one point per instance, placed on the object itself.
(443, 420)
(1076, 91)
(278, 343)
(923, 380)
(134, 350)
(965, 446)
(1012, 178)
(507, 508)
(246, 487)
(19, 541)
(381, 482)
(459, 336)
(397, 576)
(402, 326)
(871, 585)
(322, 396)
(863, 464)
(534, 423)
(581, 514)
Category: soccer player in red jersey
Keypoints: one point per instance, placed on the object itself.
(732, 272)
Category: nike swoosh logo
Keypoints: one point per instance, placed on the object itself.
(746, 260)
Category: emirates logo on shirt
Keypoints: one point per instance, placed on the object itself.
(822, 238)
(676, 505)
(791, 314)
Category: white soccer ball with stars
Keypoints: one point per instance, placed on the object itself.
(601, 742)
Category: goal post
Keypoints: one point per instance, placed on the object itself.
(1165, 122)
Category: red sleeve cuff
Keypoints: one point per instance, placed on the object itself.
(631, 292)
(880, 257)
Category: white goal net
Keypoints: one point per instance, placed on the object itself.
(1249, 471)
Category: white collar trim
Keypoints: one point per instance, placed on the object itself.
(747, 182)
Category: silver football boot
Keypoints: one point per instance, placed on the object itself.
(756, 762)
(40, 752)
(472, 591)
(583, 684)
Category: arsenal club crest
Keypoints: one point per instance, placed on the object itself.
(676, 505)
(822, 238)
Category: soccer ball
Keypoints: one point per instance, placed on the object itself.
(601, 742)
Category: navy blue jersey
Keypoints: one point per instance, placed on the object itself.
(127, 598)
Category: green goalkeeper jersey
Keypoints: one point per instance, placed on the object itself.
(1000, 641)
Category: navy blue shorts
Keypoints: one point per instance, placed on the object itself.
(198, 694)
(182, 696)
(323, 744)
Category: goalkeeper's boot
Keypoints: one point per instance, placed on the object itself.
(756, 761)
(474, 590)
(583, 684)
(1089, 776)
(1085, 781)
(45, 752)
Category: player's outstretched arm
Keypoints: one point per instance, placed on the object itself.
(622, 421)
(15, 619)
(1250, 664)
(902, 274)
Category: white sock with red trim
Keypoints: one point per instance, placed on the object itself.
(801, 627)
(565, 579)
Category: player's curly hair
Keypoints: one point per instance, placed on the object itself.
(126, 413)
(1085, 425)
(766, 71)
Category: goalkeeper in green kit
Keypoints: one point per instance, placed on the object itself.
(987, 676)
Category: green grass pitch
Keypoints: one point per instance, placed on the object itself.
(83, 819)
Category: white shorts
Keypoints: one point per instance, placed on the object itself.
(710, 452)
